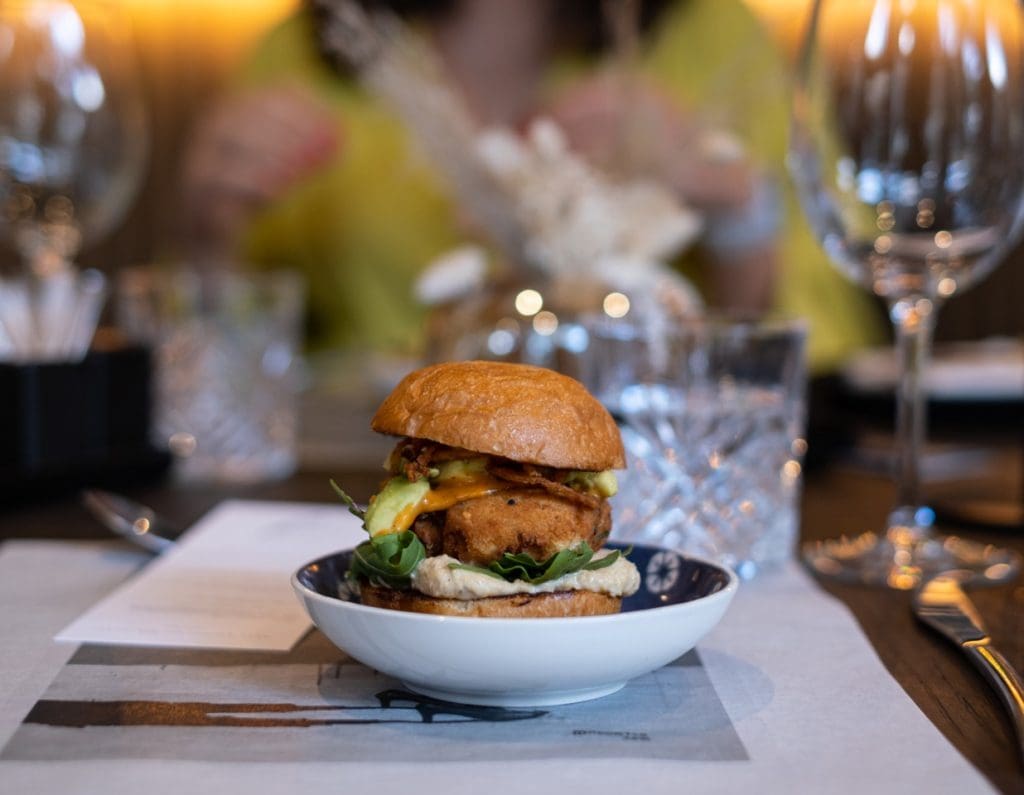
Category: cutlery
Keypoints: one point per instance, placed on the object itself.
(131, 520)
(942, 604)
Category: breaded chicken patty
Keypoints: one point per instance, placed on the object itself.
(527, 520)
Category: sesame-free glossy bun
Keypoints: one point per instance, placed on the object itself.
(560, 604)
(527, 414)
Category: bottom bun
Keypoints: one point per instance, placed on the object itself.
(560, 604)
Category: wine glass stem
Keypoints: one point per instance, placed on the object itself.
(913, 321)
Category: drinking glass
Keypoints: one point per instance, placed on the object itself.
(712, 417)
(227, 367)
(72, 127)
(908, 153)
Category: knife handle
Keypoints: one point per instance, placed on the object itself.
(1006, 681)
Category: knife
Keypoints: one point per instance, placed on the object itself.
(942, 604)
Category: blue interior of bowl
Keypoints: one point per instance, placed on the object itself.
(668, 577)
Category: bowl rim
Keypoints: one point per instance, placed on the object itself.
(725, 593)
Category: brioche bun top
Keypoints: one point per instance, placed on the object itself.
(515, 411)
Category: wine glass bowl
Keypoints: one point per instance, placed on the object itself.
(72, 127)
(918, 188)
(907, 150)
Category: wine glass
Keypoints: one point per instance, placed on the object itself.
(72, 126)
(908, 154)
(72, 150)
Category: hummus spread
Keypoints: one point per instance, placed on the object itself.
(435, 577)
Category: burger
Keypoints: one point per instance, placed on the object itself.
(496, 504)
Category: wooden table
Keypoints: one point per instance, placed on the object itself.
(937, 677)
(934, 674)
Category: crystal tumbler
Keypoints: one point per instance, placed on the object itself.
(712, 416)
(226, 360)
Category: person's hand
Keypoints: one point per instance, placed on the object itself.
(627, 125)
(246, 152)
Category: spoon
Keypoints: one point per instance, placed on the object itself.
(131, 520)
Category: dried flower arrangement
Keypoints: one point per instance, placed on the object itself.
(542, 207)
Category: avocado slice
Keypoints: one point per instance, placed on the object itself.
(606, 484)
(602, 483)
(397, 495)
(461, 469)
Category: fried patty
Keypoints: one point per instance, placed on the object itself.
(527, 520)
(539, 514)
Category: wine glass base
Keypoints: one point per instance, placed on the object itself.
(871, 559)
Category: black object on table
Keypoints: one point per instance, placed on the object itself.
(65, 425)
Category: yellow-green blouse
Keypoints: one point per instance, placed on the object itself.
(365, 224)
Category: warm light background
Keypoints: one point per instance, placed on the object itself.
(189, 48)
(785, 20)
(218, 32)
(187, 52)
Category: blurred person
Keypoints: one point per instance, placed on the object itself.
(301, 167)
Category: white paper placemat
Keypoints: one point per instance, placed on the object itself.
(225, 584)
(785, 696)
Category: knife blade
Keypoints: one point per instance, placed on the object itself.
(942, 604)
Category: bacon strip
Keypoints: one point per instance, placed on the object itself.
(415, 457)
(530, 475)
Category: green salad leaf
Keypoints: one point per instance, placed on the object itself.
(388, 559)
(522, 566)
(353, 507)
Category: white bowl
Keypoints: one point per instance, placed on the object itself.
(516, 662)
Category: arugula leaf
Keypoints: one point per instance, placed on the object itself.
(522, 566)
(608, 559)
(353, 508)
(388, 559)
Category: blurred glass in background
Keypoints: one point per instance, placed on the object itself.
(72, 127)
(73, 141)
(227, 368)
(712, 416)
(185, 52)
